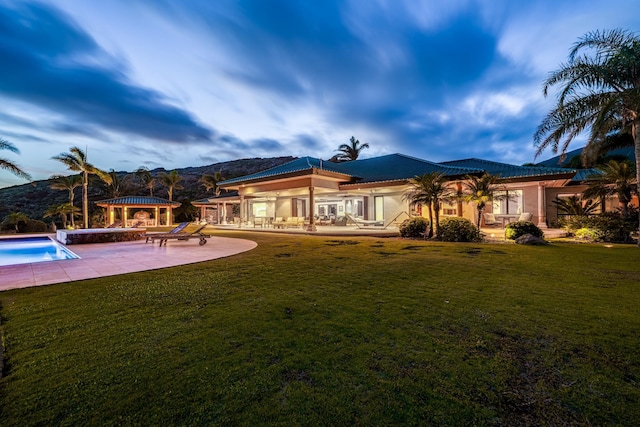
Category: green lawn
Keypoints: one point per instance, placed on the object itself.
(334, 331)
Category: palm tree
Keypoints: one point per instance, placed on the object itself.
(430, 189)
(15, 219)
(61, 211)
(147, 179)
(116, 185)
(482, 190)
(8, 165)
(76, 160)
(600, 91)
(171, 180)
(351, 151)
(210, 182)
(69, 183)
(615, 178)
(572, 205)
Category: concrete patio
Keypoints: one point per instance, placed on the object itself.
(108, 259)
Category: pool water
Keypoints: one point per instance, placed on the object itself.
(32, 249)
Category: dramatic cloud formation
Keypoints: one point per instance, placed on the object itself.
(173, 84)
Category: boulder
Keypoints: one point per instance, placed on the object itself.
(529, 239)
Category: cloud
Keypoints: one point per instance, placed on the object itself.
(51, 62)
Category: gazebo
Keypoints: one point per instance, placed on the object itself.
(139, 210)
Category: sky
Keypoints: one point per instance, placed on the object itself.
(172, 84)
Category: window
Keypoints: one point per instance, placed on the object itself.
(260, 209)
(508, 202)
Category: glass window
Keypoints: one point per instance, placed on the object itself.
(260, 209)
(508, 202)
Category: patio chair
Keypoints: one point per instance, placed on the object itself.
(525, 216)
(490, 220)
(182, 235)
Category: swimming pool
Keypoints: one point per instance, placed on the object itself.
(32, 249)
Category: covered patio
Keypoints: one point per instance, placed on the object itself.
(138, 211)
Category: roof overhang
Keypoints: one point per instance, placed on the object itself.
(313, 171)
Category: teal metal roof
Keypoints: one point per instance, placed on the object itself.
(137, 200)
(625, 152)
(398, 167)
(298, 165)
(583, 174)
(392, 167)
(507, 171)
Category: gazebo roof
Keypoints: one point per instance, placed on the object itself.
(137, 201)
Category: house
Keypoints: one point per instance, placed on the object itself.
(371, 190)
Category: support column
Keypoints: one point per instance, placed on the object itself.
(542, 207)
(243, 210)
(459, 191)
(312, 209)
(156, 217)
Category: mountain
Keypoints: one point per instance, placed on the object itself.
(35, 198)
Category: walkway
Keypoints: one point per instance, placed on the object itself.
(108, 259)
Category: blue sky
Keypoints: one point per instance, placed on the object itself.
(161, 83)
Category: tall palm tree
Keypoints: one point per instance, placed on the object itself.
(171, 180)
(615, 178)
(7, 164)
(76, 160)
(600, 92)
(351, 151)
(482, 190)
(210, 182)
(147, 179)
(430, 189)
(69, 183)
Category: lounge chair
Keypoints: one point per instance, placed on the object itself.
(116, 224)
(180, 234)
(361, 223)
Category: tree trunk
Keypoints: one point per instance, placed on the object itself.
(436, 208)
(430, 221)
(479, 216)
(73, 223)
(85, 201)
(636, 139)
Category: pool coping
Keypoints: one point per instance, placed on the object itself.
(109, 259)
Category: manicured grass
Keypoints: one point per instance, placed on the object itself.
(332, 331)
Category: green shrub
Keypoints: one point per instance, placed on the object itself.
(33, 226)
(589, 234)
(414, 227)
(519, 228)
(458, 230)
(606, 227)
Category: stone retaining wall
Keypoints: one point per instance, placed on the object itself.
(99, 235)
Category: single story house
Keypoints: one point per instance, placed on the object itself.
(371, 190)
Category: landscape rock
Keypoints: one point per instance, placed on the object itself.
(529, 239)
